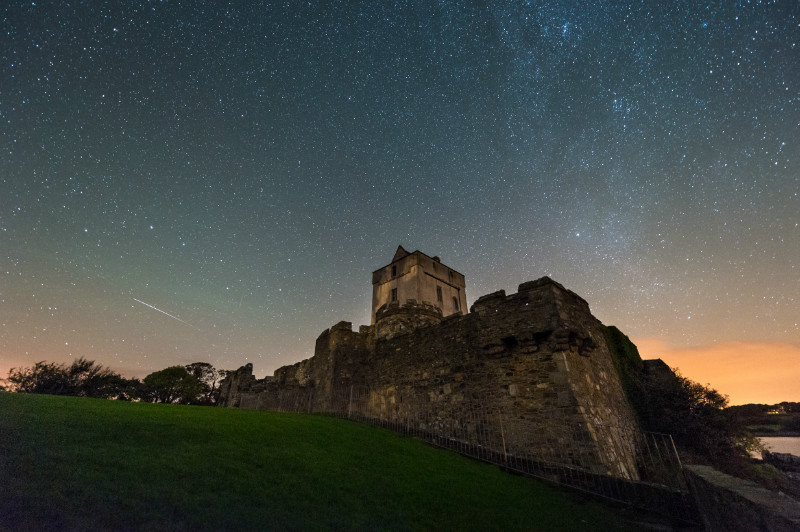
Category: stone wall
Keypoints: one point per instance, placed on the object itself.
(538, 357)
(241, 382)
(394, 319)
(732, 504)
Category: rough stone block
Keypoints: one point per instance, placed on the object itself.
(732, 504)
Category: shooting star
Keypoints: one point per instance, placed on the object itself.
(167, 313)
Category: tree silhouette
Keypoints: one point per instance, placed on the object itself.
(208, 377)
(172, 385)
(82, 378)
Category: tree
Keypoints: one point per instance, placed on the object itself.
(172, 385)
(82, 378)
(695, 416)
(94, 380)
(208, 377)
(130, 390)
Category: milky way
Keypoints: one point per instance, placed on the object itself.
(246, 167)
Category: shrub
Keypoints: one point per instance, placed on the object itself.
(82, 378)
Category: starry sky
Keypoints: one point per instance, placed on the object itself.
(212, 181)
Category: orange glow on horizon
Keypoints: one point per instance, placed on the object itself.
(9, 363)
(747, 372)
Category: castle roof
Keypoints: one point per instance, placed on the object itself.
(400, 253)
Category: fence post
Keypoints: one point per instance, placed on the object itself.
(350, 404)
(503, 437)
(674, 450)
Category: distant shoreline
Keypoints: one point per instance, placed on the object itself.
(779, 445)
(776, 434)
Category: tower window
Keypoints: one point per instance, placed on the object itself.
(394, 271)
(455, 303)
(394, 294)
(439, 294)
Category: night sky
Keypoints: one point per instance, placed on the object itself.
(209, 181)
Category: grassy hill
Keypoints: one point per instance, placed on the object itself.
(69, 463)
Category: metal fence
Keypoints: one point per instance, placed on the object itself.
(657, 483)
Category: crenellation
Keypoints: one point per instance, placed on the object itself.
(342, 326)
(488, 302)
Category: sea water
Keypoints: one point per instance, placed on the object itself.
(781, 444)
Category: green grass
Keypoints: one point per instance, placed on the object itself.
(81, 464)
(764, 429)
(775, 424)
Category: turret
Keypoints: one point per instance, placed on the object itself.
(418, 278)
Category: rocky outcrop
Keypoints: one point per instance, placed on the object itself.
(783, 461)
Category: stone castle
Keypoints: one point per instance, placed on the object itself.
(538, 356)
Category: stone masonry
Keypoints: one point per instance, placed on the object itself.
(539, 357)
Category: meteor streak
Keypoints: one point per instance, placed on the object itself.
(162, 312)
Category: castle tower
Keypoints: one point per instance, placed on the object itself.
(416, 276)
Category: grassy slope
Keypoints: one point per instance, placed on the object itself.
(72, 463)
